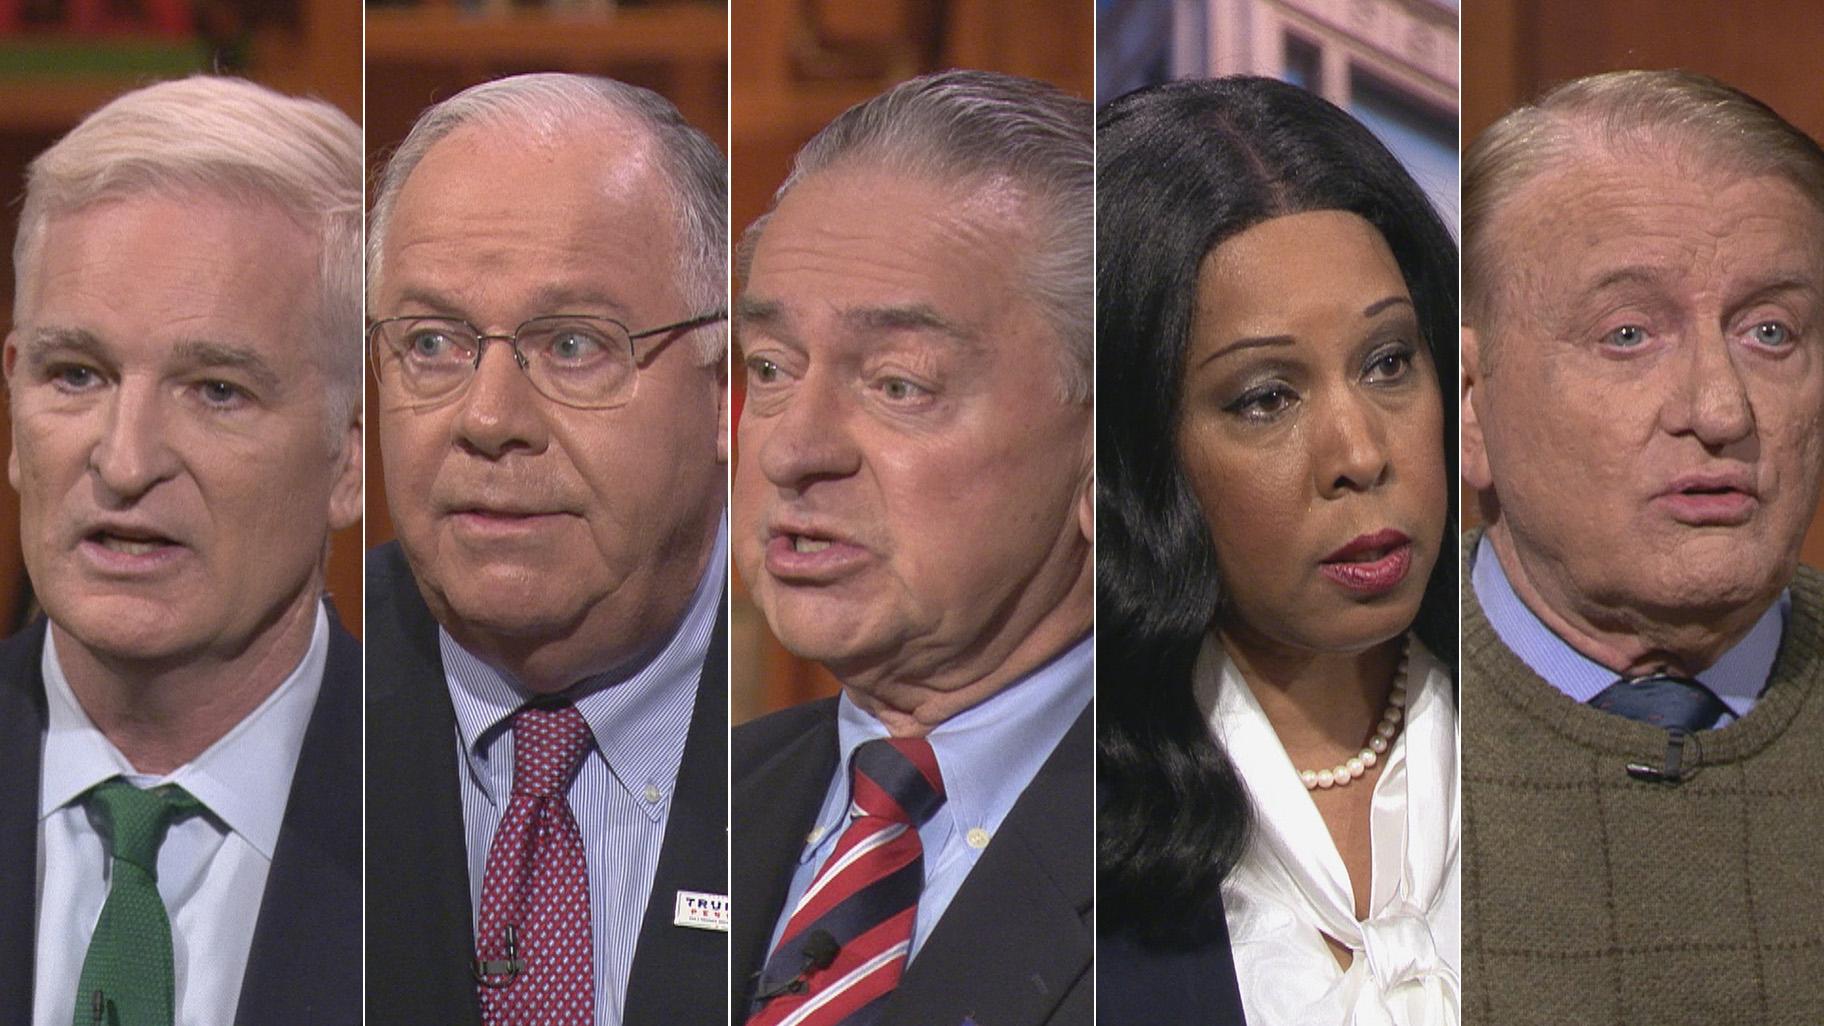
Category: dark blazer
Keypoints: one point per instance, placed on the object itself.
(304, 968)
(1014, 946)
(420, 937)
(1138, 985)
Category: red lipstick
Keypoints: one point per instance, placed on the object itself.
(1370, 564)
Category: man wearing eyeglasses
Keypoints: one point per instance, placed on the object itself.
(547, 706)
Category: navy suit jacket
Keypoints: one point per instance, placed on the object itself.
(1014, 946)
(420, 933)
(304, 968)
(1193, 985)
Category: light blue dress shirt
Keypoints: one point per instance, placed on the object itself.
(987, 754)
(1738, 678)
(212, 868)
(621, 796)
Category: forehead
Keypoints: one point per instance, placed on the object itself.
(852, 239)
(1295, 274)
(193, 265)
(496, 215)
(1658, 219)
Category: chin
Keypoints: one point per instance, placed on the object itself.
(822, 630)
(125, 628)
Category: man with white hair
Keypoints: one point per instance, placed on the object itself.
(180, 810)
(914, 508)
(547, 701)
(1643, 655)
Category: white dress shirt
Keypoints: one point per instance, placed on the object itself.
(211, 869)
(1291, 889)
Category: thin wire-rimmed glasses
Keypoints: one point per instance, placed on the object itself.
(578, 360)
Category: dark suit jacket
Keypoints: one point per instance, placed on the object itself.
(1014, 946)
(1138, 985)
(304, 968)
(420, 937)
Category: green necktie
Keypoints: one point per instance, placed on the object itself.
(127, 977)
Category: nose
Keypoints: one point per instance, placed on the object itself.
(501, 413)
(134, 451)
(807, 438)
(1351, 447)
(1711, 402)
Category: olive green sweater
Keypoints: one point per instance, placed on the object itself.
(1591, 897)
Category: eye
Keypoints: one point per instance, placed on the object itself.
(74, 377)
(430, 344)
(221, 393)
(576, 346)
(1772, 334)
(900, 390)
(1264, 403)
(1392, 364)
(761, 371)
(1628, 336)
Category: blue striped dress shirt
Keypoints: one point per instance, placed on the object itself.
(987, 754)
(622, 794)
(1738, 678)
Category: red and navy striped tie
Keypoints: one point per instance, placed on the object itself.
(861, 905)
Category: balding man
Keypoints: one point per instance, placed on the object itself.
(547, 713)
(914, 508)
(180, 808)
(1643, 656)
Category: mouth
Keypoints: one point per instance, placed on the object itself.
(120, 548)
(810, 556)
(1370, 564)
(1710, 500)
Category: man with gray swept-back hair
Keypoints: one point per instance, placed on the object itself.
(547, 269)
(914, 510)
(1643, 679)
(182, 812)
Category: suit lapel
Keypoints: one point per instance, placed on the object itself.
(305, 964)
(420, 932)
(1020, 930)
(673, 966)
(775, 806)
(22, 719)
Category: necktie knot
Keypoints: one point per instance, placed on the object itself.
(549, 743)
(1663, 700)
(135, 821)
(896, 779)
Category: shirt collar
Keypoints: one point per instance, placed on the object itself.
(639, 718)
(244, 778)
(987, 753)
(1738, 678)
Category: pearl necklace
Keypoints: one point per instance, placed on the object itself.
(1378, 742)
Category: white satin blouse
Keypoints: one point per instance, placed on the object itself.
(1290, 888)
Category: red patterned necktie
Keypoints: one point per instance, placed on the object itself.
(534, 958)
(846, 944)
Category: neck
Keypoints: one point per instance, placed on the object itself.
(1632, 642)
(911, 701)
(161, 714)
(1317, 702)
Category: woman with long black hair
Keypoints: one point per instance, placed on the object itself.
(1276, 319)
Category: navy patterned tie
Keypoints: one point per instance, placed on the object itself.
(847, 943)
(1675, 703)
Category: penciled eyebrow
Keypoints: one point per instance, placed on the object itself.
(1374, 309)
